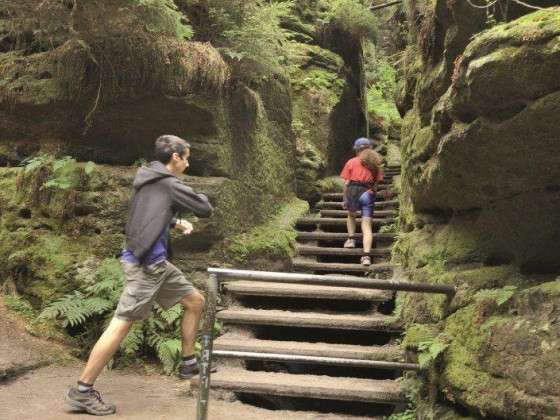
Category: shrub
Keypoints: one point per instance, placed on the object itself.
(351, 16)
(94, 304)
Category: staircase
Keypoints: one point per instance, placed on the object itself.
(312, 346)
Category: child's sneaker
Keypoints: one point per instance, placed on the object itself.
(350, 243)
(365, 260)
(90, 402)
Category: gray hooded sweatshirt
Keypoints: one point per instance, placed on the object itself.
(157, 198)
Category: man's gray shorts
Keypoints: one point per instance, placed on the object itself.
(161, 282)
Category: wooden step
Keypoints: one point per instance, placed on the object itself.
(338, 204)
(338, 196)
(344, 213)
(338, 221)
(387, 353)
(306, 386)
(290, 290)
(306, 265)
(369, 322)
(320, 250)
(335, 236)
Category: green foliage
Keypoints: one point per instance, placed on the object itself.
(63, 173)
(252, 32)
(390, 228)
(20, 307)
(352, 16)
(321, 80)
(382, 81)
(500, 296)
(409, 414)
(436, 260)
(430, 350)
(94, 305)
(274, 239)
(163, 17)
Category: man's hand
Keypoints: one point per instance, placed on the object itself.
(184, 226)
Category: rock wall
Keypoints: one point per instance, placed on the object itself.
(481, 204)
(99, 81)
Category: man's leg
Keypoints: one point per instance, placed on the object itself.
(105, 348)
(194, 305)
(84, 397)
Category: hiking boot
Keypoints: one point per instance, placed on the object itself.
(90, 402)
(365, 260)
(350, 243)
(190, 370)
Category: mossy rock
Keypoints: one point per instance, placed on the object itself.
(503, 356)
(273, 241)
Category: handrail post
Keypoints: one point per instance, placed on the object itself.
(206, 351)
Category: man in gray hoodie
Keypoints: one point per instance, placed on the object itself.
(158, 197)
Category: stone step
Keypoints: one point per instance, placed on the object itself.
(321, 250)
(306, 386)
(387, 353)
(290, 290)
(344, 213)
(306, 265)
(332, 236)
(338, 221)
(338, 204)
(338, 196)
(369, 322)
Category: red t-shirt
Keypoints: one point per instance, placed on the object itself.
(354, 170)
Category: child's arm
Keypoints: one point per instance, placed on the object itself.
(186, 199)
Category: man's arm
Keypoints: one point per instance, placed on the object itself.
(185, 199)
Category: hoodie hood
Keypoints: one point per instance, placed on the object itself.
(153, 172)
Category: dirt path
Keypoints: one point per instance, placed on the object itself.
(40, 395)
(32, 386)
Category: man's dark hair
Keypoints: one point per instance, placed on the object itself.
(168, 144)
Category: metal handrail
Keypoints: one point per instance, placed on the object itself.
(216, 275)
(331, 280)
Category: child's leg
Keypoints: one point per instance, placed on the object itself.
(351, 224)
(105, 348)
(368, 234)
(367, 201)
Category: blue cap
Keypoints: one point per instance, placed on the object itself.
(361, 143)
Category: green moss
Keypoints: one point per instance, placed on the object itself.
(462, 369)
(331, 184)
(273, 240)
(533, 27)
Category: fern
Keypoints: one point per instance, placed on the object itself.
(431, 350)
(500, 296)
(172, 314)
(169, 352)
(133, 341)
(163, 17)
(257, 35)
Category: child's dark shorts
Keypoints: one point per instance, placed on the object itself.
(161, 282)
(359, 198)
